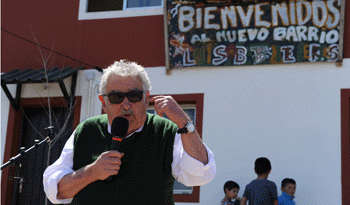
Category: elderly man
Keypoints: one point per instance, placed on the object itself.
(155, 152)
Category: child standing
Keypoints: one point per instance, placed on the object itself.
(261, 191)
(288, 190)
(231, 189)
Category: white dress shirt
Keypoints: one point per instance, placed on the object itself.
(185, 169)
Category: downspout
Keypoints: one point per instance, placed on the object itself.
(90, 76)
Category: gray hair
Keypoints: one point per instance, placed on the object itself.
(124, 68)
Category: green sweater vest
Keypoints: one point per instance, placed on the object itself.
(145, 174)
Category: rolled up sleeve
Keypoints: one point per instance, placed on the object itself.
(55, 172)
(188, 170)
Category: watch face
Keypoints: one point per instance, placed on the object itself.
(190, 127)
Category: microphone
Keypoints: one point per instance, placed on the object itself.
(119, 128)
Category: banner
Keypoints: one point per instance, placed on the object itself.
(232, 33)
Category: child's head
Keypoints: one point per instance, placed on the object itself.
(262, 166)
(231, 189)
(288, 186)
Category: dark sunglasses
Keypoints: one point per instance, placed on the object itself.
(118, 97)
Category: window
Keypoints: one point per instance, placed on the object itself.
(102, 9)
(190, 110)
(193, 106)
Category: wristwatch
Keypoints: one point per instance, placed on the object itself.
(189, 128)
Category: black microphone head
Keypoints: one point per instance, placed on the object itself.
(120, 127)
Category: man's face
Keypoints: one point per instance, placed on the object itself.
(134, 112)
(289, 189)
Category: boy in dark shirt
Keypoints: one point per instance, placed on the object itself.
(231, 189)
(261, 191)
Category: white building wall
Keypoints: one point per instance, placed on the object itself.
(287, 113)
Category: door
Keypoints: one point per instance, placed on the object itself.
(35, 120)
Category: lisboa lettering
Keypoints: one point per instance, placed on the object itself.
(252, 34)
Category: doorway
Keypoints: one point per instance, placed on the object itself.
(24, 126)
(35, 120)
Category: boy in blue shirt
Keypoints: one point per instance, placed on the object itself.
(231, 189)
(261, 191)
(288, 190)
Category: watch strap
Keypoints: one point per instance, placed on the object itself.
(185, 128)
(182, 130)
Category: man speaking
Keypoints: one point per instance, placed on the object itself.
(154, 153)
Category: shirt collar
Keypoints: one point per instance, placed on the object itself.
(110, 130)
(287, 196)
(229, 200)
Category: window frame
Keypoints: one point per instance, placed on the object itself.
(184, 107)
(345, 144)
(83, 14)
(196, 99)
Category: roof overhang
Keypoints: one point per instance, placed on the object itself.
(53, 75)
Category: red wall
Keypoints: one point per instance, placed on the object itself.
(55, 25)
